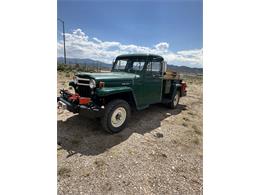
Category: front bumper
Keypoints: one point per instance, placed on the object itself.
(85, 110)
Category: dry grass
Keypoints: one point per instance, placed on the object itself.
(64, 172)
(197, 130)
(99, 163)
(185, 124)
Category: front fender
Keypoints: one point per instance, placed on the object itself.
(105, 91)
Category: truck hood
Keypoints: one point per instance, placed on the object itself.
(108, 75)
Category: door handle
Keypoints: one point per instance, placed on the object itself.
(157, 76)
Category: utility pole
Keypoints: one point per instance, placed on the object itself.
(64, 47)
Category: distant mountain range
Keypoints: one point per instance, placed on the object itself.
(85, 61)
(90, 62)
(185, 69)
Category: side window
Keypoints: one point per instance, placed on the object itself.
(154, 67)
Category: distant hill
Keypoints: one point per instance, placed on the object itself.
(86, 61)
(185, 69)
(94, 63)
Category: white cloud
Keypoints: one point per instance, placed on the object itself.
(78, 45)
(97, 40)
(78, 32)
(162, 46)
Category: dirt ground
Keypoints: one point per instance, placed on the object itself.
(160, 152)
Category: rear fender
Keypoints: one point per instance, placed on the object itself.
(176, 87)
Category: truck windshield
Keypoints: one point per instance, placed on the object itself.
(128, 65)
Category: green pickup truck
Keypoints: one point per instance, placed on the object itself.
(135, 82)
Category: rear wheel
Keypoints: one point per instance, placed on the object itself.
(116, 116)
(175, 100)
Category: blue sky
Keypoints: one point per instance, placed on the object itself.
(101, 29)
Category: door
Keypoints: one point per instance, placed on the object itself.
(152, 85)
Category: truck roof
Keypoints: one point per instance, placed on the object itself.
(140, 55)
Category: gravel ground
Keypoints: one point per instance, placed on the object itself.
(160, 152)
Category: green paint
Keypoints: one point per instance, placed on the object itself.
(135, 78)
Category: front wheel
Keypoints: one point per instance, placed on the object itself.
(116, 116)
(175, 100)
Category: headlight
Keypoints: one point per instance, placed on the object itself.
(71, 90)
(75, 79)
(92, 83)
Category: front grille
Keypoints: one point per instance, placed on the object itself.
(83, 87)
(82, 81)
(83, 91)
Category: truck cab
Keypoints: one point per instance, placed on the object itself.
(149, 76)
(135, 82)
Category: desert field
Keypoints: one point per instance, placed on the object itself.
(160, 151)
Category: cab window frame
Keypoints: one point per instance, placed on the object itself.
(150, 65)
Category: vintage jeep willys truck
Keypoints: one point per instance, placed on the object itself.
(135, 82)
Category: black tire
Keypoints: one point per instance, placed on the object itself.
(110, 109)
(175, 100)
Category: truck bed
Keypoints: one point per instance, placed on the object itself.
(170, 80)
(171, 75)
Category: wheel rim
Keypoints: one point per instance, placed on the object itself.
(118, 117)
(176, 99)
